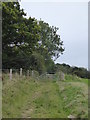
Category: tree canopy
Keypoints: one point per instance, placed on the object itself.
(27, 42)
(20, 35)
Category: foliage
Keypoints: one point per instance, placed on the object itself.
(32, 44)
(37, 62)
(50, 43)
(20, 35)
(81, 72)
(26, 43)
(50, 65)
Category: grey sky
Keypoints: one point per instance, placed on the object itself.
(72, 20)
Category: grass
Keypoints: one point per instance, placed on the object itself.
(30, 98)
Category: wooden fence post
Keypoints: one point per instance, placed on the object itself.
(20, 72)
(10, 74)
(1, 75)
(32, 73)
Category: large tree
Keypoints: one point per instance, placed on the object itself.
(19, 37)
(27, 44)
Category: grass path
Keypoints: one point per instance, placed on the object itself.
(29, 98)
(46, 102)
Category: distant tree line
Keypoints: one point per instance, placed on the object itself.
(79, 71)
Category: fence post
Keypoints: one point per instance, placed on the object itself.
(32, 73)
(10, 74)
(1, 75)
(27, 73)
(20, 72)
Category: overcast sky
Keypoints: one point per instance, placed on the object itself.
(72, 21)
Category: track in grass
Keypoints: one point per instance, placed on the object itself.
(29, 98)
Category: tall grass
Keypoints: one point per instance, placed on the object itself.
(45, 98)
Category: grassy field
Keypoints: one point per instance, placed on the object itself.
(30, 98)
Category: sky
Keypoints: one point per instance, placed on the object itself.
(72, 20)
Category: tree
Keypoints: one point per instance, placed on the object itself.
(37, 62)
(19, 35)
(51, 67)
(27, 44)
(50, 42)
